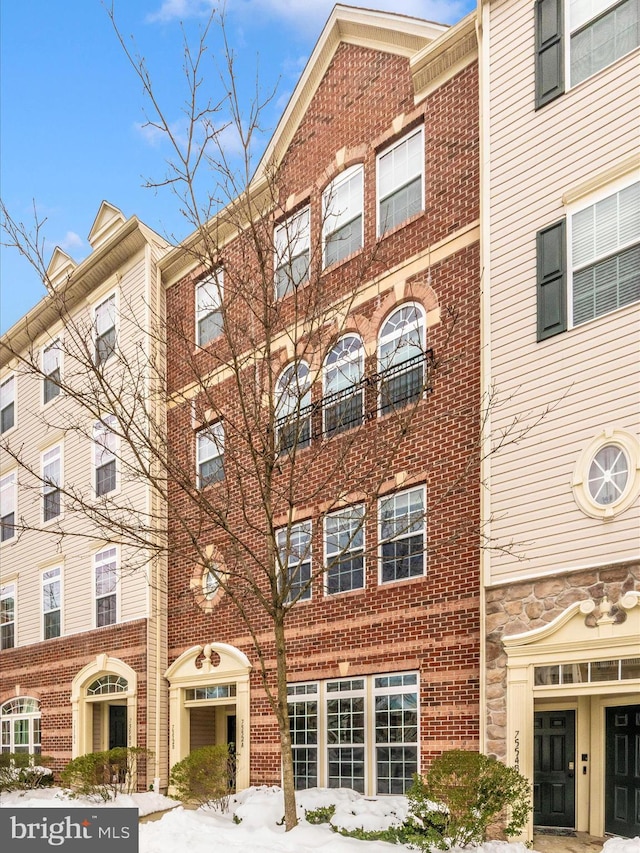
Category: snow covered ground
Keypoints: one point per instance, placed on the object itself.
(259, 811)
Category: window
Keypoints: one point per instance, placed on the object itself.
(208, 308)
(51, 479)
(343, 393)
(210, 582)
(104, 455)
(347, 731)
(20, 725)
(294, 552)
(105, 329)
(401, 354)
(342, 204)
(400, 181)
(51, 602)
(8, 616)
(7, 507)
(293, 407)
(600, 31)
(292, 253)
(605, 254)
(402, 535)
(344, 549)
(7, 404)
(107, 685)
(210, 454)
(105, 587)
(606, 479)
(51, 358)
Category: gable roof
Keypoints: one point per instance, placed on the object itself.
(384, 31)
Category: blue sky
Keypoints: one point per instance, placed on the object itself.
(72, 112)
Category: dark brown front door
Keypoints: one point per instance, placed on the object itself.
(554, 783)
(622, 775)
(117, 726)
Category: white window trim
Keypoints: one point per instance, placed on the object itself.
(53, 344)
(338, 364)
(9, 589)
(110, 418)
(43, 583)
(217, 277)
(281, 247)
(416, 130)
(325, 555)
(94, 321)
(306, 523)
(580, 482)
(282, 392)
(567, 44)
(14, 487)
(95, 596)
(572, 208)
(3, 382)
(216, 428)
(422, 328)
(343, 178)
(60, 449)
(389, 496)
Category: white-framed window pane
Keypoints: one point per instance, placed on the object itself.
(294, 551)
(208, 308)
(608, 474)
(210, 454)
(105, 329)
(7, 404)
(51, 370)
(342, 204)
(605, 246)
(344, 549)
(293, 407)
(104, 455)
(106, 587)
(401, 355)
(303, 725)
(7, 616)
(402, 535)
(7, 507)
(292, 253)
(601, 32)
(400, 181)
(51, 602)
(345, 715)
(396, 732)
(51, 473)
(343, 395)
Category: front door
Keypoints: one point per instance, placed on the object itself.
(554, 784)
(117, 726)
(622, 774)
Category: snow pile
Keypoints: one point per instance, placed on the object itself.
(49, 798)
(622, 845)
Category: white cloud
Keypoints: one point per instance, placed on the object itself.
(71, 241)
(172, 10)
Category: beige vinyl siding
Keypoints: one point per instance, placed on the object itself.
(589, 374)
(36, 550)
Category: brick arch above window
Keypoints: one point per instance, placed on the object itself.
(343, 159)
(422, 294)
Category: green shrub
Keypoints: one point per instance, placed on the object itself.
(462, 793)
(322, 814)
(206, 776)
(21, 771)
(103, 775)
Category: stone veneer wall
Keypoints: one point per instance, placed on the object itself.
(524, 606)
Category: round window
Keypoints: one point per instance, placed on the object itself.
(608, 474)
(210, 583)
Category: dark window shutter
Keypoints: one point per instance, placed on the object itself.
(552, 281)
(549, 51)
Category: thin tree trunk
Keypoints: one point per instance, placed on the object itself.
(282, 713)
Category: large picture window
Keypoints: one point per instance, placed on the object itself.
(359, 733)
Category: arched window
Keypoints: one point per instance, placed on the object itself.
(107, 684)
(20, 725)
(401, 355)
(343, 394)
(293, 407)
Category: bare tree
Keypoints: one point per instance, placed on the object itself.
(248, 389)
